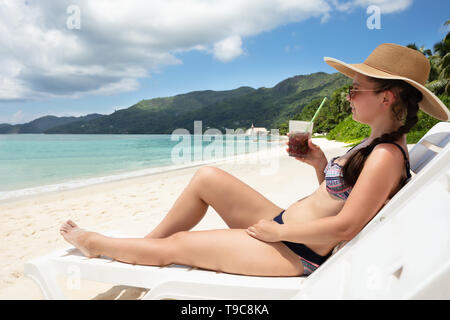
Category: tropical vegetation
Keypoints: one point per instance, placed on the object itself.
(232, 109)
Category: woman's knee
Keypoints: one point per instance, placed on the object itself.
(206, 174)
(207, 171)
(178, 244)
(172, 247)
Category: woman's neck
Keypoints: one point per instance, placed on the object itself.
(377, 132)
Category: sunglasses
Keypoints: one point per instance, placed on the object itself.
(351, 91)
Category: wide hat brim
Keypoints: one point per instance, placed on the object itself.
(430, 104)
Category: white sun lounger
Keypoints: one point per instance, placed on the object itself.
(403, 252)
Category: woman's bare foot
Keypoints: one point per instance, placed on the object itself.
(77, 237)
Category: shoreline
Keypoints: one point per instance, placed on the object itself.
(10, 196)
(56, 189)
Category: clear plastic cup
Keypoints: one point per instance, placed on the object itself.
(299, 133)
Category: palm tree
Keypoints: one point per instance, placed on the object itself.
(441, 61)
(412, 46)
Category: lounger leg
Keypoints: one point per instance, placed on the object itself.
(45, 277)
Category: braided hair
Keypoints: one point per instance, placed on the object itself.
(404, 108)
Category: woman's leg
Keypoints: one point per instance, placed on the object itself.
(229, 250)
(234, 251)
(237, 203)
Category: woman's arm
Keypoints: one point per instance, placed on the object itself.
(320, 231)
(381, 173)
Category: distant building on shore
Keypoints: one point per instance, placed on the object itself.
(256, 131)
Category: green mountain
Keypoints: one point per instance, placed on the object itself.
(42, 124)
(238, 108)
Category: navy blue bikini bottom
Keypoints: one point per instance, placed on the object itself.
(310, 259)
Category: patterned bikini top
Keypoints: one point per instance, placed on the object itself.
(334, 178)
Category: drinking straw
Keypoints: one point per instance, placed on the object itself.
(317, 112)
(315, 115)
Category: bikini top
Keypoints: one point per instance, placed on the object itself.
(334, 179)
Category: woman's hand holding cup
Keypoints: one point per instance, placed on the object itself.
(314, 156)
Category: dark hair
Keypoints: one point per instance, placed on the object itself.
(406, 102)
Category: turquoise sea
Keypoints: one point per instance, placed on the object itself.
(35, 163)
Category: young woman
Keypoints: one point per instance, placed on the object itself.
(265, 240)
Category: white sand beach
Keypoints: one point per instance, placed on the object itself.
(134, 206)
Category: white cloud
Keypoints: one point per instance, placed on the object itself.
(228, 49)
(386, 6)
(120, 42)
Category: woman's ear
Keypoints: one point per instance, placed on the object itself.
(388, 98)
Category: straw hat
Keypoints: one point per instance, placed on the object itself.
(392, 61)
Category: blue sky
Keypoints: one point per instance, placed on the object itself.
(118, 56)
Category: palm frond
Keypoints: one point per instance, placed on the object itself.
(437, 86)
(427, 52)
(445, 61)
(445, 73)
(447, 37)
